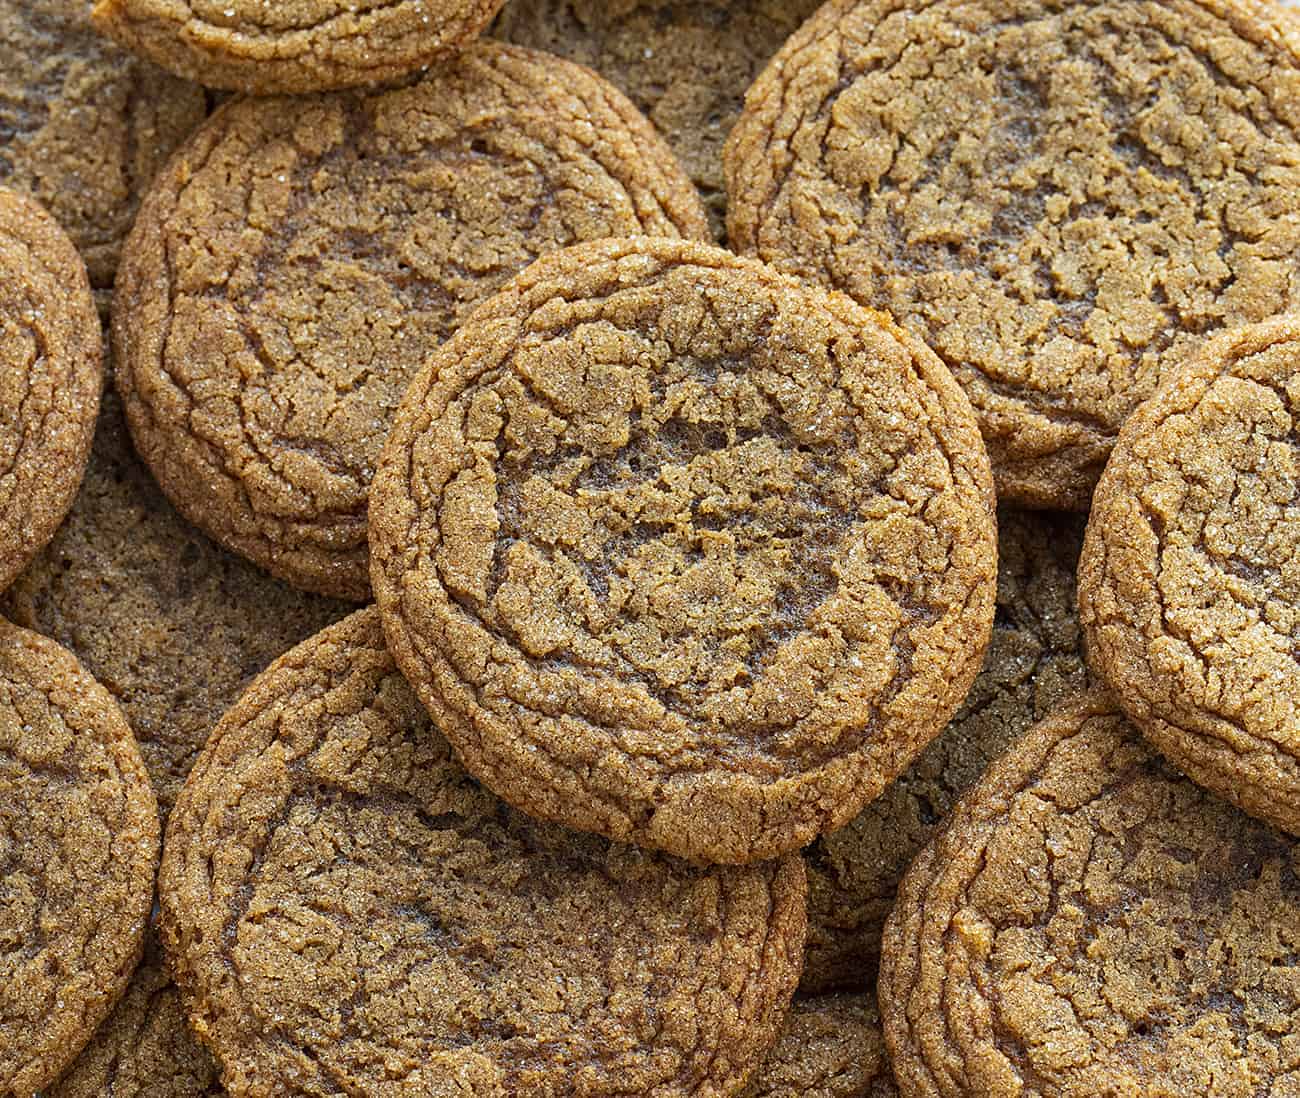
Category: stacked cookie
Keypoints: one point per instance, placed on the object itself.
(695, 623)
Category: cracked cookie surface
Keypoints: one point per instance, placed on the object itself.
(686, 63)
(84, 125)
(1091, 922)
(1189, 586)
(294, 45)
(49, 378)
(78, 850)
(683, 552)
(300, 259)
(347, 911)
(1034, 660)
(1061, 199)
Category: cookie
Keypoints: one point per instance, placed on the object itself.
(144, 1048)
(79, 845)
(685, 63)
(173, 625)
(347, 911)
(1189, 586)
(1061, 200)
(1034, 660)
(84, 125)
(831, 1047)
(49, 378)
(301, 258)
(1091, 922)
(683, 552)
(310, 45)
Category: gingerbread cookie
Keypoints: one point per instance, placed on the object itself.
(346, 910)
(685, 63)
(49, 378)
(79, 845)
(1034, 660)
(1062, 200)
(1091, 922)
(1189, 587)
(683, 552)
(84, 125)
(301, 258)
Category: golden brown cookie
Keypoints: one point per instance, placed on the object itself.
(686, 63)
(683, 552)
(174, 626)
(1093, 923)
(1189, 586)
(83, 125)
(348, 912)
(1034, 660)
(301, 258)
(293, 45)
(78, 847)
(1060, 199)
(49, 378)
(831, 1047)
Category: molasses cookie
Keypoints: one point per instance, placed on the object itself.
(1060, 199)
(347, 910)
(1189, 587)
(84, 125)
(79, 845)
(1090, 923)
(174, 626)
(686, 63)
(1034, 660)
(309, 45)
(49, 378)
(301, 258)
(683, 552)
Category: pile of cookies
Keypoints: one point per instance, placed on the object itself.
(539, 545)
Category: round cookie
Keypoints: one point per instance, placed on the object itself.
(174, 626)
(831, 1047)
(346, 910)
(300, 259)
(683, 552)
(1189, 586)
(49, 378)
(145, 1048)
(1062, 200)
(685, 63)
(1091, 922)
(84, 125)
(1034, 660)
(308, 45)
(79, 845)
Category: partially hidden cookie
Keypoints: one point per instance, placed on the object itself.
(1062, 200)
(300, 259)
(308, 45)
(1093, 923)
(831, 1047)
(83, 124)
(1189, 586)
(79, 846)
(687, 64)
(684, 552)
(1034, 660)
(49, 378)
(346, 910)
(174, 626)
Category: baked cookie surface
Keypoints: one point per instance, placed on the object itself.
(683, 552)
(1189, 586)
(1060, 199)
(346, 909)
